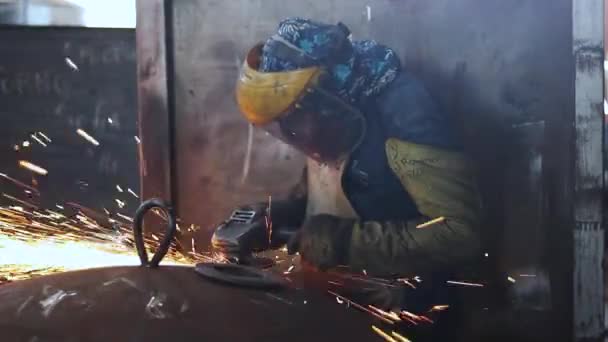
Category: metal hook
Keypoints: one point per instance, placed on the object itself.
(138, 231)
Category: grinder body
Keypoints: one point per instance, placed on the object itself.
(248, 230)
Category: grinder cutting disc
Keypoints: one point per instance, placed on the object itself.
(240, 275)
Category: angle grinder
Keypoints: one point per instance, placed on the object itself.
(250, 230)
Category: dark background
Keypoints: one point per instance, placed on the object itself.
(41, 92)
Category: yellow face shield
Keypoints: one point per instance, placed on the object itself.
(296, 108)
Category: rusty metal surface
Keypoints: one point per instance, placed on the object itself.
(152, 92)
(487, 77)
(167, 304)
(221, 161)
(153, 112)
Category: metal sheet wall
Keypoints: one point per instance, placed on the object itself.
(56, 81)
(503, 70)
(492, 65)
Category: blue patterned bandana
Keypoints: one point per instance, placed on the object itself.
(359, 70)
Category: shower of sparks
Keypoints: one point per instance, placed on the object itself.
(119, 188)
(45, 137)
(38, 140)
(39, 242)
(464, 283)
(33, 167)
(71, 64)
(382, 334)
(87, 137)
(132, 193)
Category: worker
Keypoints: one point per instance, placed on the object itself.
(387, 189)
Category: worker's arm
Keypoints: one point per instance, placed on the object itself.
(441, 185)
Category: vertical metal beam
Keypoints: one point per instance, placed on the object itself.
(588, 49)
(152, 100)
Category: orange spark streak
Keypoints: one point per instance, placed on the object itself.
(400, 337)
(406, 282)
(431, 222)
(87, 137)
(33, 167)
(464, 283)
(37, 140)
(383, 334)
(19, 183)
(45, 137)
(439, 308)
(389, 315)
(26, 203)
(360, 307)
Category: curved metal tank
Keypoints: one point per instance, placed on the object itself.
(169, 303)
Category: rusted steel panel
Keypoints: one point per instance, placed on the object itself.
(168, 304)
(155, 151)
(221, 161)
(153, 109)
(488, 78)
(588, 50)
(491, 65)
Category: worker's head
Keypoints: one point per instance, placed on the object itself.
(307, 84)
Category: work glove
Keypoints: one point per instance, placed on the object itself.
(323, 241)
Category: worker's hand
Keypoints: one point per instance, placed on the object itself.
(323, 241)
